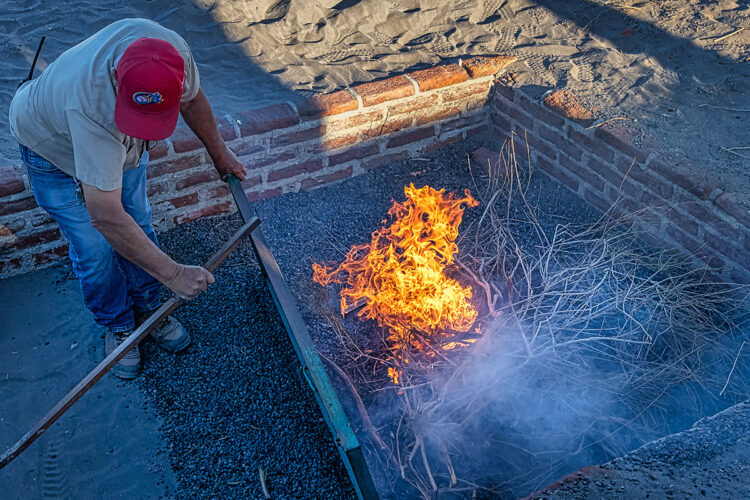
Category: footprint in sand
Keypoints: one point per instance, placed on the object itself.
(54, 480)
(276, 11)
(341, 56)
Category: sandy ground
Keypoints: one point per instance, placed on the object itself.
(680, 68)
(108, 445)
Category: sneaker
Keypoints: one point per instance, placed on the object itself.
(170, 335)
(129, 366)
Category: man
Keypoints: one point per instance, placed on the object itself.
(84, 127)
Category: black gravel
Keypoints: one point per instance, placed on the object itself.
(235, 400)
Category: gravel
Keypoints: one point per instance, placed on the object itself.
(235, 400)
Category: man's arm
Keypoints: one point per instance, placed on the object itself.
(129, 240)
(200, 118)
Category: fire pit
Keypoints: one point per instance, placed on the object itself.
(489, 333)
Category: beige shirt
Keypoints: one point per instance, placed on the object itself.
(67, 114)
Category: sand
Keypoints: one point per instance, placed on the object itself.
(676, 67)
(108, 445)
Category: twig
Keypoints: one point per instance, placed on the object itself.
(262, 477)
(606, 121)
(739, 110)
(732, 370)
(724, 37)
(731, 151)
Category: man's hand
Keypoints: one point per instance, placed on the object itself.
(230, 164)
(189, 281)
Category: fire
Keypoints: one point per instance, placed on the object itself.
(399, 278)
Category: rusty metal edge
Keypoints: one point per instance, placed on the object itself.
(312, 366)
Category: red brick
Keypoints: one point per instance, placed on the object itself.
(12, 227)
(411, 136)
(183, 139)
(652, 182)
(172, 166)
(158, 152)
(31, 240)
(251, 182)
(484, 66)
(197, 178)
(154, 189)
(596, 200)
(247, 149)
(438, 115)
(326, 179)
(353, 154)
(526, 121)
(17, 206)
(558, 139)
(732, 205)
(261, 120)
(218, 209)
(584, 173)
(383, 159)
(707, 218)
(391, 125)
(479, 129)
(505, 91)
(535, 144)
(686, 175)
(461, 122)
(725, 245)
(184, 201)
(8, 265)
(592, 145)
(569, 106)
(269, 160)
(56, 253)
(219, 191)
(413, 105)
(339, 142)
(356, 120)
(557, 173)
(623, 137)
(254, 196)
(683, 239)
(294, 170)
(434, 146)
(328, 104)
(11, 181)
(684, 222)
(298, 136)
(606, 171)
(454, 94)
(501, 121)
(439, 77)
(390, 89)
(486, 159)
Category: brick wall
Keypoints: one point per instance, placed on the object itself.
(613, 167)
(285, 146)
(293, 146)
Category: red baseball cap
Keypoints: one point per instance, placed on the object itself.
(150, 75)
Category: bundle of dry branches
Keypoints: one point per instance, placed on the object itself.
(584, 333)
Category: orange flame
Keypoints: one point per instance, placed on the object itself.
(399, 277)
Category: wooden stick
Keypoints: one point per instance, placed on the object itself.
(115, 356)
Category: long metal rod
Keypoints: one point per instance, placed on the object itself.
(312, 366)
(115, 356)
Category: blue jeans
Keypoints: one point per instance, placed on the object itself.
(113, 287)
